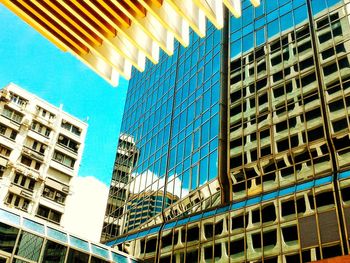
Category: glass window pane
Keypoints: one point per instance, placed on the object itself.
(318, 5)
(29, 246)
(273, 28)
(213, 165)
(8, 236)
(300, 14)
(57, 234)
(194, 181)
(75, 256)
(100, 251)
(203, 172)
(236, 48)
(98, 260)
(119, 258)
(54, 252)
(286, 21)
(248, 42)
(79, 243)
(260, 36)
(39, 228)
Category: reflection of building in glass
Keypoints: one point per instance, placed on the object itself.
(26, 240)
(249, 127)
(125, 160)
(175, 126)
(143, 207)
(40, 151)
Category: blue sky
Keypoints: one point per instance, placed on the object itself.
(35, 64)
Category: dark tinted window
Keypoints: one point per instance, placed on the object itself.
(54, 252)
(8, 235)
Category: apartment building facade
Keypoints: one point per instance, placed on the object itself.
(249, 128)
(41, 149)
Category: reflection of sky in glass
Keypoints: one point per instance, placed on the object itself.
(172, 108)
(172, 111)
(100, 251)
(269, 19)
(192, 93)
(30, 224)
(10, 217)
(58, 235)
(79, 243)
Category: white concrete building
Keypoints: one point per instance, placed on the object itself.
(41, 148)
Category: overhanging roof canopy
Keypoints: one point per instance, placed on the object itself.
(111, 36)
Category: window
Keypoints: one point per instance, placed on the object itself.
(13, 135)
(54, 252)
(29, 246)
(24, 181)
(40, 128)
(8, 238)
(17, 201)
(36, 146)
(2, 129)
(49, 214)
(64, 159)
(70, 127)
(29, 162)
(12, 114)
(4, 151)
(69, 143)
(77, 256)
(54, 195)
(2, 170)
(26, 161)
(97, 260)
(45, 113)
(18, 99)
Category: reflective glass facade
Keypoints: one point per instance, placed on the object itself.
(172, 116)
(284, 195)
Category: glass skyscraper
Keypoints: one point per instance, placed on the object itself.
(243, 142)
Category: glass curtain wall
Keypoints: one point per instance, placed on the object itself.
(172, 114)
(288, 146)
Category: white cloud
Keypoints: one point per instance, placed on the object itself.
(152, 182)
(85, 208)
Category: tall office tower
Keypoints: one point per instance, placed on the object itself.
(40, 151)
(171, 112)
(249, 128)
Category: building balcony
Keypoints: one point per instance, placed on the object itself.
(47, 122)
(17, 106)
(38, 137)
(10, 123)
(66, 150)
(21, 191)
(28, 171)
(71, 135)
(9, 143)
(62, 168)
(33, 154)
(51, 204)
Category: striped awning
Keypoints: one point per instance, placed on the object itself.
(111, 36)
